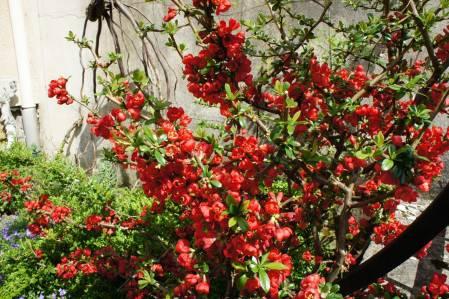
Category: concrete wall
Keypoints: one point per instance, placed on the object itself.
(48, 22)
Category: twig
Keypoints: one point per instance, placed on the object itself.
(425, 35)
(341, 234)
(65, 141)
(318, 21)
(275, 20)
(363, 203)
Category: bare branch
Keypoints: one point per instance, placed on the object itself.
(425, 35)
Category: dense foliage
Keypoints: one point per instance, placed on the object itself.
(282, 198)
(28, 262)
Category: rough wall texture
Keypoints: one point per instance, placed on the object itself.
(48, 22)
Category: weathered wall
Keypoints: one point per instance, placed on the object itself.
(48, 22)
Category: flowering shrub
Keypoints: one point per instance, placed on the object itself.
(13, 187)
(29, 261)
(309, 166)
(437, 288)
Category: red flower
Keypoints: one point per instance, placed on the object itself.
(307, 256)
(171, 14)
(87, 268)
(252, 285)
(438, 285)
(353, 226)
(183, 246)
(202, 288)
(192, 279)
(186, 261)
(405, 193)
(272, 207)
(57, 88)
(118, 114)
(92, 222)
(173, 113)
(222, 5)
(60, 213)
(38, 253)
(66, 269)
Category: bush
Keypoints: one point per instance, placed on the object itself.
(281, 199)
(28, 262)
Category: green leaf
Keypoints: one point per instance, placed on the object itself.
(264, 281)
(379, 139)
(276, 133)
(238, 266)
(143, 284)
(159, 158)
(242, 224)
(291, 103)
(242, 281)
(326, 288)
(229, 94)
(335, 288)
(275, 266)
(291, 128)
(289, 152)
(296, 116)
(216, 183)
(364, 153)
(264, 258)
(140, 78)
(242, 121)
(232, 221)
(254, 267)
(145, 149)
(70, 36)
(387, 164)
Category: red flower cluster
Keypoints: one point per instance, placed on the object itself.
(193, 283)
(380, 289)
(12, 182)
(433, 145)
(436, 93)
(108, 222)
(207, 202)
(220, 5)
(388, 231)
(106, 263)
(79, 260)
(442, 52)
(437, 287)
(405, 193)
(57, 88)
(102, 127)
(44, 213)
(208, 78)
(134, 103)
(310, 287)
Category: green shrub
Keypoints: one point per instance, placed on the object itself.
(23, 274)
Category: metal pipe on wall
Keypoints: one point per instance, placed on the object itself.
(28, 105)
